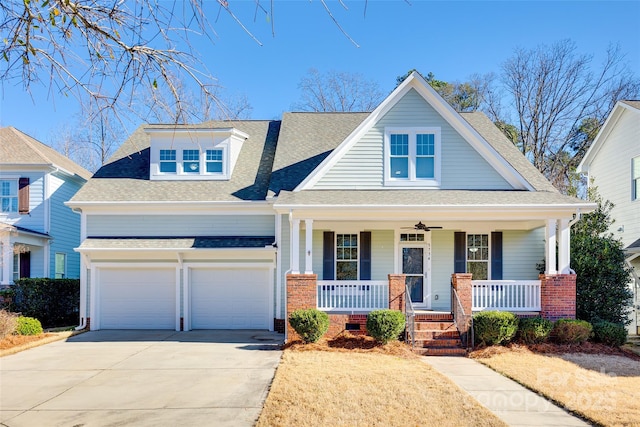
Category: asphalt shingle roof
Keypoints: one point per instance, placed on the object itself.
(126, 176)
(206, 242)
(632, 103)
(17, 147)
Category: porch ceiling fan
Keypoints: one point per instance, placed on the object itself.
(420, 226)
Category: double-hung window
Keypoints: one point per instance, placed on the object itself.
(168, 161)
(478, 256)
(412, 157)
(61, 265)
(214, 161)
(635, 178)
(346, 257)
(9, 195)
(191, 161)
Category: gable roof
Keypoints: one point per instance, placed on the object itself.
(125, 178)
(305, 140)
(18, 148)
(607, 127)
(471, 135)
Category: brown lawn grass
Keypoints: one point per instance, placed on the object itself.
(602, 386)
(15, 343)
(354, 382)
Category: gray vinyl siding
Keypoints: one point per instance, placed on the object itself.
(64, 226)
(522, 250)
(363, 166)
(611, 173)
(185, 225)
(382, 256)
(441, 269)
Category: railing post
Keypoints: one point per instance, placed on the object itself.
(461, 282)
(302, 292)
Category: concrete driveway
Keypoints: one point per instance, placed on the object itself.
(141, 378)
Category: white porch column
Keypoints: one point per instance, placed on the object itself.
(550, 247)
(308, 253)
(564, 255)
(295, 247)
(7, 261)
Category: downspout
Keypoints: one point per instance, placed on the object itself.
(83, 294)
(576, 219)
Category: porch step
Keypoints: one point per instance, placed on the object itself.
(437, 336)
(434, 317)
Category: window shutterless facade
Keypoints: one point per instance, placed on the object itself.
(215, 161)
(191, 161)
(168, 161)
(412, 157)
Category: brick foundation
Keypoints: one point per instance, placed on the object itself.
(558, 296)
(301, 294)
(338, 323)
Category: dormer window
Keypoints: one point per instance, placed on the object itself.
(412, 157)
(214, 161)
(168, 161)
(194, 154)
(191, 161)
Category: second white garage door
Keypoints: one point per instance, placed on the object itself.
(229, 298)
(137, 298)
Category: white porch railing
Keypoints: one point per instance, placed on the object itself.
(506, 295)
(352, 295)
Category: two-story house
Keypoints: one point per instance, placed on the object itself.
(612, 164)
(233, 224)
(38, 233)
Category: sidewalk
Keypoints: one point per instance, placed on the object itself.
(512, 403)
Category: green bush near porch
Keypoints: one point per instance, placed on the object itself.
(609, 333)
(494, 327)
(534, 330)
(385, 325)
(311, 324)
(571, 331)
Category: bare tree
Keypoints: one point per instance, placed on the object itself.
(560, 101)
(337, 92)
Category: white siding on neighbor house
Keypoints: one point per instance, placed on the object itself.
(184, 225)
(611, 173)
(64, 226)
(35, 220)
(521, 251)
(441, 269)
(462, 166)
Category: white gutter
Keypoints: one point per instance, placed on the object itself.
(576, 219)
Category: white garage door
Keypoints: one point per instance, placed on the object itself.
(229, 298)
(137, 298)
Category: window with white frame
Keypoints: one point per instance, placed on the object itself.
(412, 157)
(191, 161)
(346, 257)
(635, 178)
(478, 256)
(214, 161)
(168, 161)
(16, 267)
(61, 265)
(9, 195)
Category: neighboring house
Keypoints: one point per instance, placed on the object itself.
(233, 224)
(38, 233)
(613, 166)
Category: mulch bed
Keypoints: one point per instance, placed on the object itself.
(352, 343)
(548, 348)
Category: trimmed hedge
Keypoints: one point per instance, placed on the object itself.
(571, 331)
(28, 326)
(55, 302)
(534, 330)
(609, 333)
(311, 324)
(494, 327)
(385, 325)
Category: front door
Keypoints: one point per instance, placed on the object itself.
(415, 260)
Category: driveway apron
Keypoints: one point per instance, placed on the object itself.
(141, 378)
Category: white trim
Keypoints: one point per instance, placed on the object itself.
(295, 245)
(178, 300)
(415, 81)
(308, 250)
(564, 247)
(425, 245)
(550, 246)
(278, 225)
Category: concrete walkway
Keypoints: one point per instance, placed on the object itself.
(511, 402)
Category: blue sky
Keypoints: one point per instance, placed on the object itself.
(452, 39)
